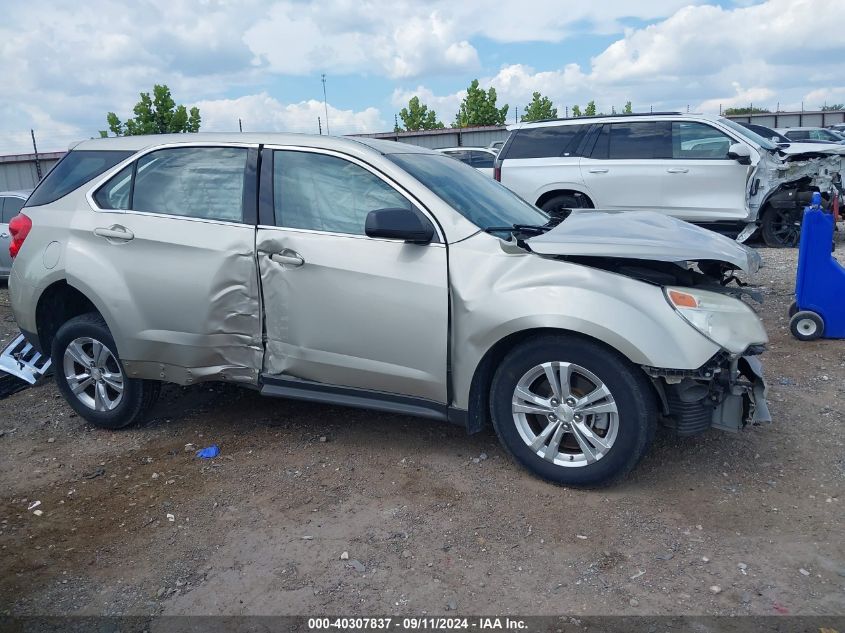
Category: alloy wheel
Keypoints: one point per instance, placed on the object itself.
(93, 374)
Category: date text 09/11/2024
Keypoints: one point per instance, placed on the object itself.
(420, 623)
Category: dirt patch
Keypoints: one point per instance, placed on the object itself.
(133, 523)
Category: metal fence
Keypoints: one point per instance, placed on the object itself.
(19, 171)
(792, 119)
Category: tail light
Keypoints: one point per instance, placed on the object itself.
(497, 173)
(19, 227)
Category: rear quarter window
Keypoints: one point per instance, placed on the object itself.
(73, 171)
(544, 142)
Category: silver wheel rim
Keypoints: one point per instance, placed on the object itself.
(93, 374)
(807, 327)
(565, 414)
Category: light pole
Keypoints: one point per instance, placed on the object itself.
(325, 103)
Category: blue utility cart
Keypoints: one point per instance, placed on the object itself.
(819, 307)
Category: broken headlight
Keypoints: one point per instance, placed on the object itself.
(728, 322)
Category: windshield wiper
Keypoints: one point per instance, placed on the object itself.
(519, 228)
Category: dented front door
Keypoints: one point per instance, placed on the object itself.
(342, 308)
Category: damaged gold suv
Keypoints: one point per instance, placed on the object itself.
(380, 275)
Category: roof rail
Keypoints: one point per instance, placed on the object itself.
(605, 116)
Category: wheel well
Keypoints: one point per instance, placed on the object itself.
(586, 203)
(59, 303)
(482, 379)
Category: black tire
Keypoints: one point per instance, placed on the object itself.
(632, 395)
(781, 228)
(561, 204)
(806, 325)
(138, 395)
(793, 309)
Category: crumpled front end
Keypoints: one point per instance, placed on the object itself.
(726, 393)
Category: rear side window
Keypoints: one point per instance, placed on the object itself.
(547, 141)
(195, 182)
(482, 160)
(798, 135)
(10, 208)
(460, 155)
(73, 171)
(634, 140)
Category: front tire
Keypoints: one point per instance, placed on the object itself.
(572, 411)
(92, 379)
(781, 228)
(562, 205)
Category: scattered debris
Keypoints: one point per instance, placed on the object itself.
(344, 556)
(99, 472)
(742, 567)
(307, 538)
(170, 517)
(190, 448)
(804, 572)
(324, 439)
(715, 589)
(34, 505)
(50, 440)
(638, 574)
(704, 559)
(38, 513)
(665, 556)
(357, 566)
(210, 452)
(581, 536)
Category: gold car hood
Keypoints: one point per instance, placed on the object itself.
(642, 235)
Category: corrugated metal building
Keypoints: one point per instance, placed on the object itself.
(448, 137)
(793, 119)
(19, 171)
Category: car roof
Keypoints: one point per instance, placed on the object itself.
(465, 148)
(612, 118)
(16, 193)
(352, 145)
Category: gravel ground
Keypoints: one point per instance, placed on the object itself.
(313, 509)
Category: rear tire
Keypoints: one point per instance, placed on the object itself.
(562, 204)
(92, 379)
(806, 325)
(551, 443)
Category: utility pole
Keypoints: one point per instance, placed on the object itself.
(325, 103)
(35, 149)
(516, 114)
(319, 126)
(567, 112)
(240, 125)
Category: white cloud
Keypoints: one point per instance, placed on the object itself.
(263, 113)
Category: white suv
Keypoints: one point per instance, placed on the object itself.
(703, 169)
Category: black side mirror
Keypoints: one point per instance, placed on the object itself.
(399, 224)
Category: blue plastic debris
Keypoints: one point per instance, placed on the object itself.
(209, 452)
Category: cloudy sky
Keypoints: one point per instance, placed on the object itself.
(64, 64)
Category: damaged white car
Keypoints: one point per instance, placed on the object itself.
(704, 169)
(379, 275)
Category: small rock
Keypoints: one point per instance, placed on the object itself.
(170, 517)
(50, 440)
(704, 559)
(154, 476)
(38, 513)
(634, 602)
(804, 572)
(742, 567)
(190, 448)
(715, 589)
(581, 536)
(307, 538)
(344, 556)
(483, 456)
(324, 439)
(406, 553)
(475, 460)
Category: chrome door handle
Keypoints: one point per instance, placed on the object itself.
(288, 258)
(118, 233)
(677, 170)
(599, 170)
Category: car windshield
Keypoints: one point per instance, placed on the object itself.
(736, 127)
(477, 197)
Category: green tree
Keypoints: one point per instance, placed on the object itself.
(627, 109)
(748, 110)
(540, 108)
(417, 116)
(479, 108)
(576, 110)
(590, 110)
(833, 106)
(156, 115)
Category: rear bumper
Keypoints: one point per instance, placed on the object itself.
(725, 393)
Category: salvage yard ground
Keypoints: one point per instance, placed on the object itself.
(432, 519)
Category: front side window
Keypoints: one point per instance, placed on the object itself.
(196, 182)
(326, 193)
(698, 140)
